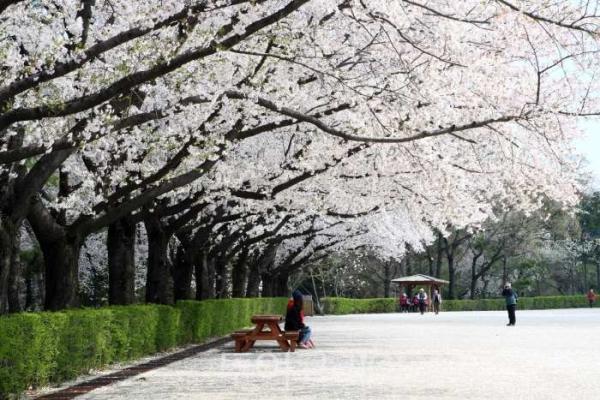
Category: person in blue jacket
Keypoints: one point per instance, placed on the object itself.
(511, 303)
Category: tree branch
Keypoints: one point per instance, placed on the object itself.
(268, 104)
(128, 82)
(99, 48)
(548, 20)
(4, 4)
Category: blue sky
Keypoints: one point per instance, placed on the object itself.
(590, 148)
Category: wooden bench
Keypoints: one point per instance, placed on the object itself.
(292, 337)
(240, 338)
(267, 328)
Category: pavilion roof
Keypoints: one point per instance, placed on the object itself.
(420, 279)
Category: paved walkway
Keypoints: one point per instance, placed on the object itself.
(552, 354)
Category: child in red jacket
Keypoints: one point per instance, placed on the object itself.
(404, 303)
(415, 303)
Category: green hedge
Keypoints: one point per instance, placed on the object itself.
(41, 348)
(339, 305)
(211, 318)
(524, 303)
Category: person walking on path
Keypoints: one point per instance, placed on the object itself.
(422, 300)
(437, 301)
(591, 296)
(511, 303)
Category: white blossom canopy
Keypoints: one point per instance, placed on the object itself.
(410, 114)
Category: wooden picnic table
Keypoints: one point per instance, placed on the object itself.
(266, 328)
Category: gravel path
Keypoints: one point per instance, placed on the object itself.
(551, 354)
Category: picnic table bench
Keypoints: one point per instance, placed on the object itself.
(266, 328)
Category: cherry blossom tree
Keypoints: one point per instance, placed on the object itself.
(113, 113)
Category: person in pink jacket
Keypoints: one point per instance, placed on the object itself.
(591, 296)
(415, 303)
(403, 302)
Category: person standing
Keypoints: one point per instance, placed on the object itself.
(437, 301)
(415, 303)
(404, 302)
(511, 303)
(422, 300)
(591, 296)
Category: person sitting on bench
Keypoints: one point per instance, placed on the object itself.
(294, 321)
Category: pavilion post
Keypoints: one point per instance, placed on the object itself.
(430, 305)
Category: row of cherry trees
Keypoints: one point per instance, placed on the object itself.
(548, 252)
(248, 137)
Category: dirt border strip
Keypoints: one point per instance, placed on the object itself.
(87, 386)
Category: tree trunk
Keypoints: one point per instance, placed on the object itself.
(13, 209)
(200, 276)
(205, 277)
(159, 284)
(210, 278)
(8, 234)
(438, 259)
(280, 285)
(387, 280)
(484, 289)
(585, 275)
(221, 278)
(451, 275)
(252, 288)
(267, 285)
(408, 272)
(29, 293)
(34, 280)
(238, 274)
(183, 271)
(61, 259)
(431, 265)
(121, 262)
(572, 277)
(201, 273)
(15, 275)
(474, 276)
(265, 265)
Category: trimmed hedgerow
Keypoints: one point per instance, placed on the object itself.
(28, 349)
(339, 305)
(41, 348)
(524, 303)
(211, 318)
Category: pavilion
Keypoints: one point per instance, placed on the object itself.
(410, 282)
